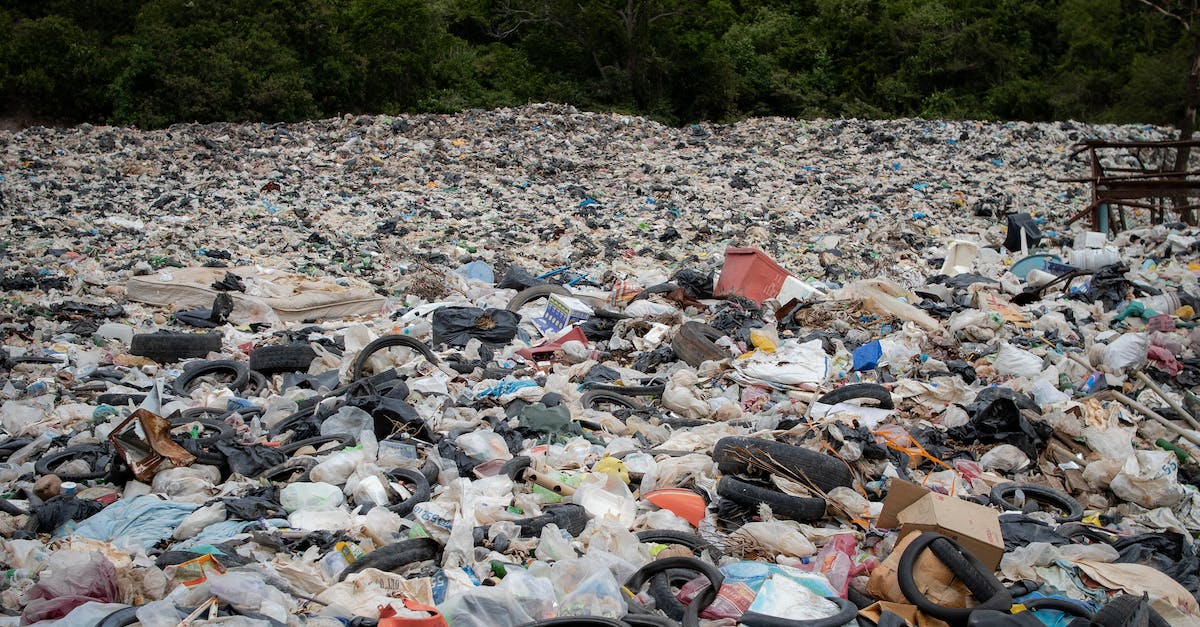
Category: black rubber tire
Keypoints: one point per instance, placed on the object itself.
(972, 575)
(288, 469)
(870, 391)
(257, 384)
(279, 358)
(591, 398)
(223, 431)
(785, 505)
(1002, 494)
(286, 423)
(826, 471)
(577, 621)
(860, 600)
(49, 461)
(389, 341)
(646, 573)
(629, 390)
(420, 495)
(683, 538)
(120, 618)
(693, 343)
(344, 438)
(649, 620)
(1074, 608)
(168, 348)
(394, 556)
(534, 293)
(1121, 610)
(12, 445)
(193, 371)
(846, 613)
(664, 595)
(119, 399)
(516, 466)
(568, 517)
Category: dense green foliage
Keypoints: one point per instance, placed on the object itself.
(156, 62)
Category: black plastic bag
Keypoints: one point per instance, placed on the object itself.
(55, 512)
(1168, 552)
(457, 325)
(697, 284)
(517, 278)
(250, 461)
(1018, 222)
(231, 283)
(392, 415)
(208, 318)
(996, 417)
(1108, 286)
(598, 329)
(260, 502)
(1018, 531)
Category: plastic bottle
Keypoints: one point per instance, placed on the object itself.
(39, 444)
(310, 496)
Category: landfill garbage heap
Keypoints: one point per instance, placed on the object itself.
(537, 366)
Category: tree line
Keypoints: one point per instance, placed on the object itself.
(157, 62)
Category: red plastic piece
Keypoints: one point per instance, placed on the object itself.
(749, 272)
(683, 503)
(545, 351)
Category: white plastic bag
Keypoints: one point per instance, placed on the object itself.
(1127, 351)
(1148, 478)
(1014, 362)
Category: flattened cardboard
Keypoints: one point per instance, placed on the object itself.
(976, 527)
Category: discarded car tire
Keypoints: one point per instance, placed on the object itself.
(682, 538)
(258, 383)
(630, 390)
(282, 358)
(591, 399)
(239, 371)
(578, 621)
(1073, 608)
(294, 469)
(515, 467)
(419, 495)
(699, 603)
(1003, 494)
(534, 293)
(217, 431)
(120, 618)
(167, 348)
(870, 391)
(98, 455)
(846, 613)
(1123, 610)
(570, 518)
(12, 445)
(394, 556)
(345, 439)
(390, 341)
(694, 343)
(794, 507)
(825, 471)
(964, 565)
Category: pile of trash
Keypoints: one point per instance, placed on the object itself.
(542, 367)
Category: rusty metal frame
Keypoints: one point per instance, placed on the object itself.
(1148, 187)
(145, 456)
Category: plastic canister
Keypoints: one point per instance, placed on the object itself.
(1167, 302)
(1095, 258)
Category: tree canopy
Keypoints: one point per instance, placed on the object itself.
(156, 62)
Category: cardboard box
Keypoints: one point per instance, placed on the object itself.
(561, 312)
(913, 508)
